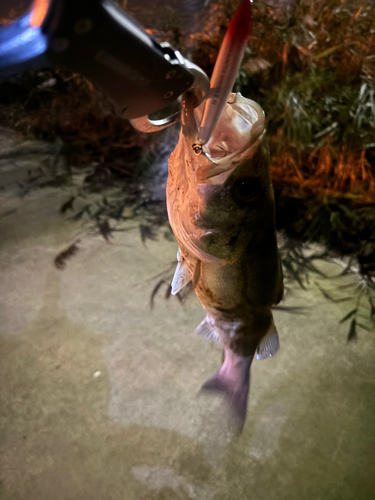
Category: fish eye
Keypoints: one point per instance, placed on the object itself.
(246, 189)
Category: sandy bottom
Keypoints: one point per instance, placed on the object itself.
(98, 393)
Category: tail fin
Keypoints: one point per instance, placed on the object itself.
(233, 381)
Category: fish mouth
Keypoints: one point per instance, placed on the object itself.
(237, 135)
(239, 126)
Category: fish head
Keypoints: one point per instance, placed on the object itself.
(222, 199)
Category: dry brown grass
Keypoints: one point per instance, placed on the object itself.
(327, 170)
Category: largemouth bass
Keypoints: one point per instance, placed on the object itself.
(221, 209)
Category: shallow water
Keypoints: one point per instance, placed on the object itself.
(99, 392)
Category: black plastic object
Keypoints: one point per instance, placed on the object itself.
(98, 40)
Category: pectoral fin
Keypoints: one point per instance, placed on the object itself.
(269, 345)
(181, 277)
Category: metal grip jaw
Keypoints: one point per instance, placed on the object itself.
(199, 87)
(98, 40)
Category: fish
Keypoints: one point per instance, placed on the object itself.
(221, 209)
